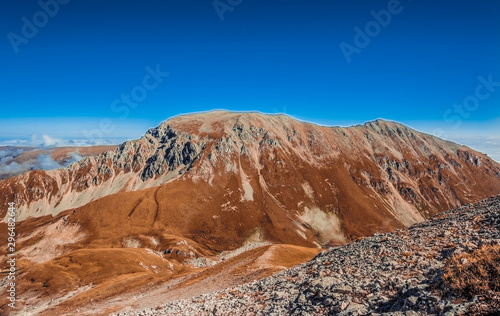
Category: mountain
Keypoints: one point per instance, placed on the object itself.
(227, 197)
(380, 171)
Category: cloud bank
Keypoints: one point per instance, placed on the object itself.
(11, 164)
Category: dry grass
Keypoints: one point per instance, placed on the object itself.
(474, 273)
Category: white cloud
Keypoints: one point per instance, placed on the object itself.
(51, 142)
(6, 164)
(4, 153)
(9, 167)
(13, 167)
(5, 160)
(45, 162)
(74, 158)
(10, 152)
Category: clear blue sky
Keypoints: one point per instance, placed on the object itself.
(269, 56)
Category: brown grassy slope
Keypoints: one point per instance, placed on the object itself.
(251, 265)
(85, 247)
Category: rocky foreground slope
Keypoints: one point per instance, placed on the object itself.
(412, 270)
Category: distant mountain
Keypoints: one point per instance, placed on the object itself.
(16, 160)
(172, 203)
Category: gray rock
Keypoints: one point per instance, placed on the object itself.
(412, 300)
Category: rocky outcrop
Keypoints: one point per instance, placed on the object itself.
(156, 155)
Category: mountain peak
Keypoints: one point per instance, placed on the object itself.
(207, 121)
(385, 157)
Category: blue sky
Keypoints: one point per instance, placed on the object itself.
(431, 65)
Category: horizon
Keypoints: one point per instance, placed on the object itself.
(88, 73)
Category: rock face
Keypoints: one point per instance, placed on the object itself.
(381, 173)
(398, 273)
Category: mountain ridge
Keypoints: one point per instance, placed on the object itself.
(137, 155)
(171, 204)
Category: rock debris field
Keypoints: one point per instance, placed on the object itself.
(398, 273)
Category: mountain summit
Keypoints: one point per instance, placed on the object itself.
(382, 173)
